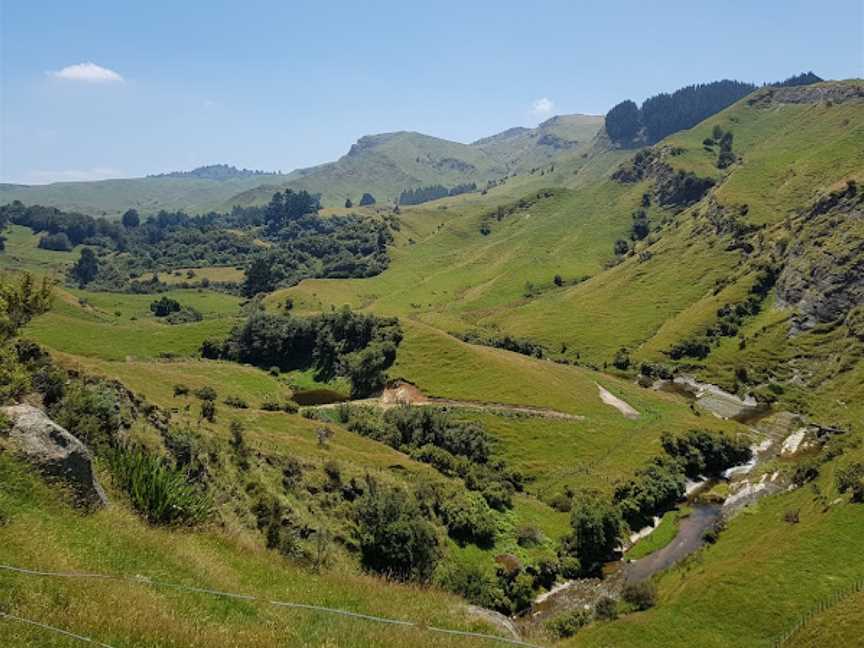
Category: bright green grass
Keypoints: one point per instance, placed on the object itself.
(116, 326)
(115, 541)
(839, 625)
(22, 253)
(665, 533)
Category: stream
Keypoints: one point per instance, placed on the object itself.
(691, 529)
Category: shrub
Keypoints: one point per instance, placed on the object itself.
(164, 307)
(292, 473)
(208, 410)
(58, 242)
(468, 518)
(567, 625)
(851, 478)
(521, 592)
(642, 596)
(394, 539)
(475, 584)
(606, 609)
(206, 393)
(333, 471)
(806, 471)
(528, 535)
(158, 492)
(236, 402)
(180, 390)
(561, 502)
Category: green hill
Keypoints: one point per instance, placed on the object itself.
(540, 311)
(383, 165)
(147, 195)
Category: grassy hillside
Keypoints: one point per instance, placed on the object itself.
(383, 164)
(116, 542)
(746, 274)
(386, 164)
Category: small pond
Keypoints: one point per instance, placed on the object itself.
(318, 397)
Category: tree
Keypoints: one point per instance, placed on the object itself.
(131, 219)
(348, 203)
(623, 121)
(394, 538)
(164, 307)
(596, 531)
(621, 247)
(367, 199)
(86, 268)
(259, 277)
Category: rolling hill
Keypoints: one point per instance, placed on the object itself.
(550, 311)
(384, 165)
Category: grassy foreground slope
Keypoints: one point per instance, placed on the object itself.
(115, 541)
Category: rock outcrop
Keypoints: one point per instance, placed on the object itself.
(54, 452)
(823, 275)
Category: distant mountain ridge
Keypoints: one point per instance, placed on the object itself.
(383, 164)
(215, 172)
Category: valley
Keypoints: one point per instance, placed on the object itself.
(463, 414)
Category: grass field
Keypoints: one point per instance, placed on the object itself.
(214, 274)
(115, 541)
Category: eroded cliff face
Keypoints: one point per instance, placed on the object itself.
(823, 273)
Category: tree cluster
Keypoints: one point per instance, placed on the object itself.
(664, 114)
(357, 346)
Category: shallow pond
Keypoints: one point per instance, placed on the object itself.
(318, 397)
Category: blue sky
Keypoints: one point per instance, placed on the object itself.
(279, 85)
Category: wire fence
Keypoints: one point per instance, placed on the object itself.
(828, 603)
(144, 580)
(55, 630)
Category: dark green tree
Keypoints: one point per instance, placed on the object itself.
(131, 219)
(623, 121)
(86, 268)
(596, 531)
(394, 538)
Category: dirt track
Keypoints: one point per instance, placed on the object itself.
(407, 394)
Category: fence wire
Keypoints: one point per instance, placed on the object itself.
(144, 580)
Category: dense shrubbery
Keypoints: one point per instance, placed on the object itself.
(360, 347)
(517, 345)
(702, 452)
(393, 537)
(598, 525)
(433, 192)
(456, 448)
(653, 489)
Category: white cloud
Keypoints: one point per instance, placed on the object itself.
(542, 107)
(73, 175)
(88, 73)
